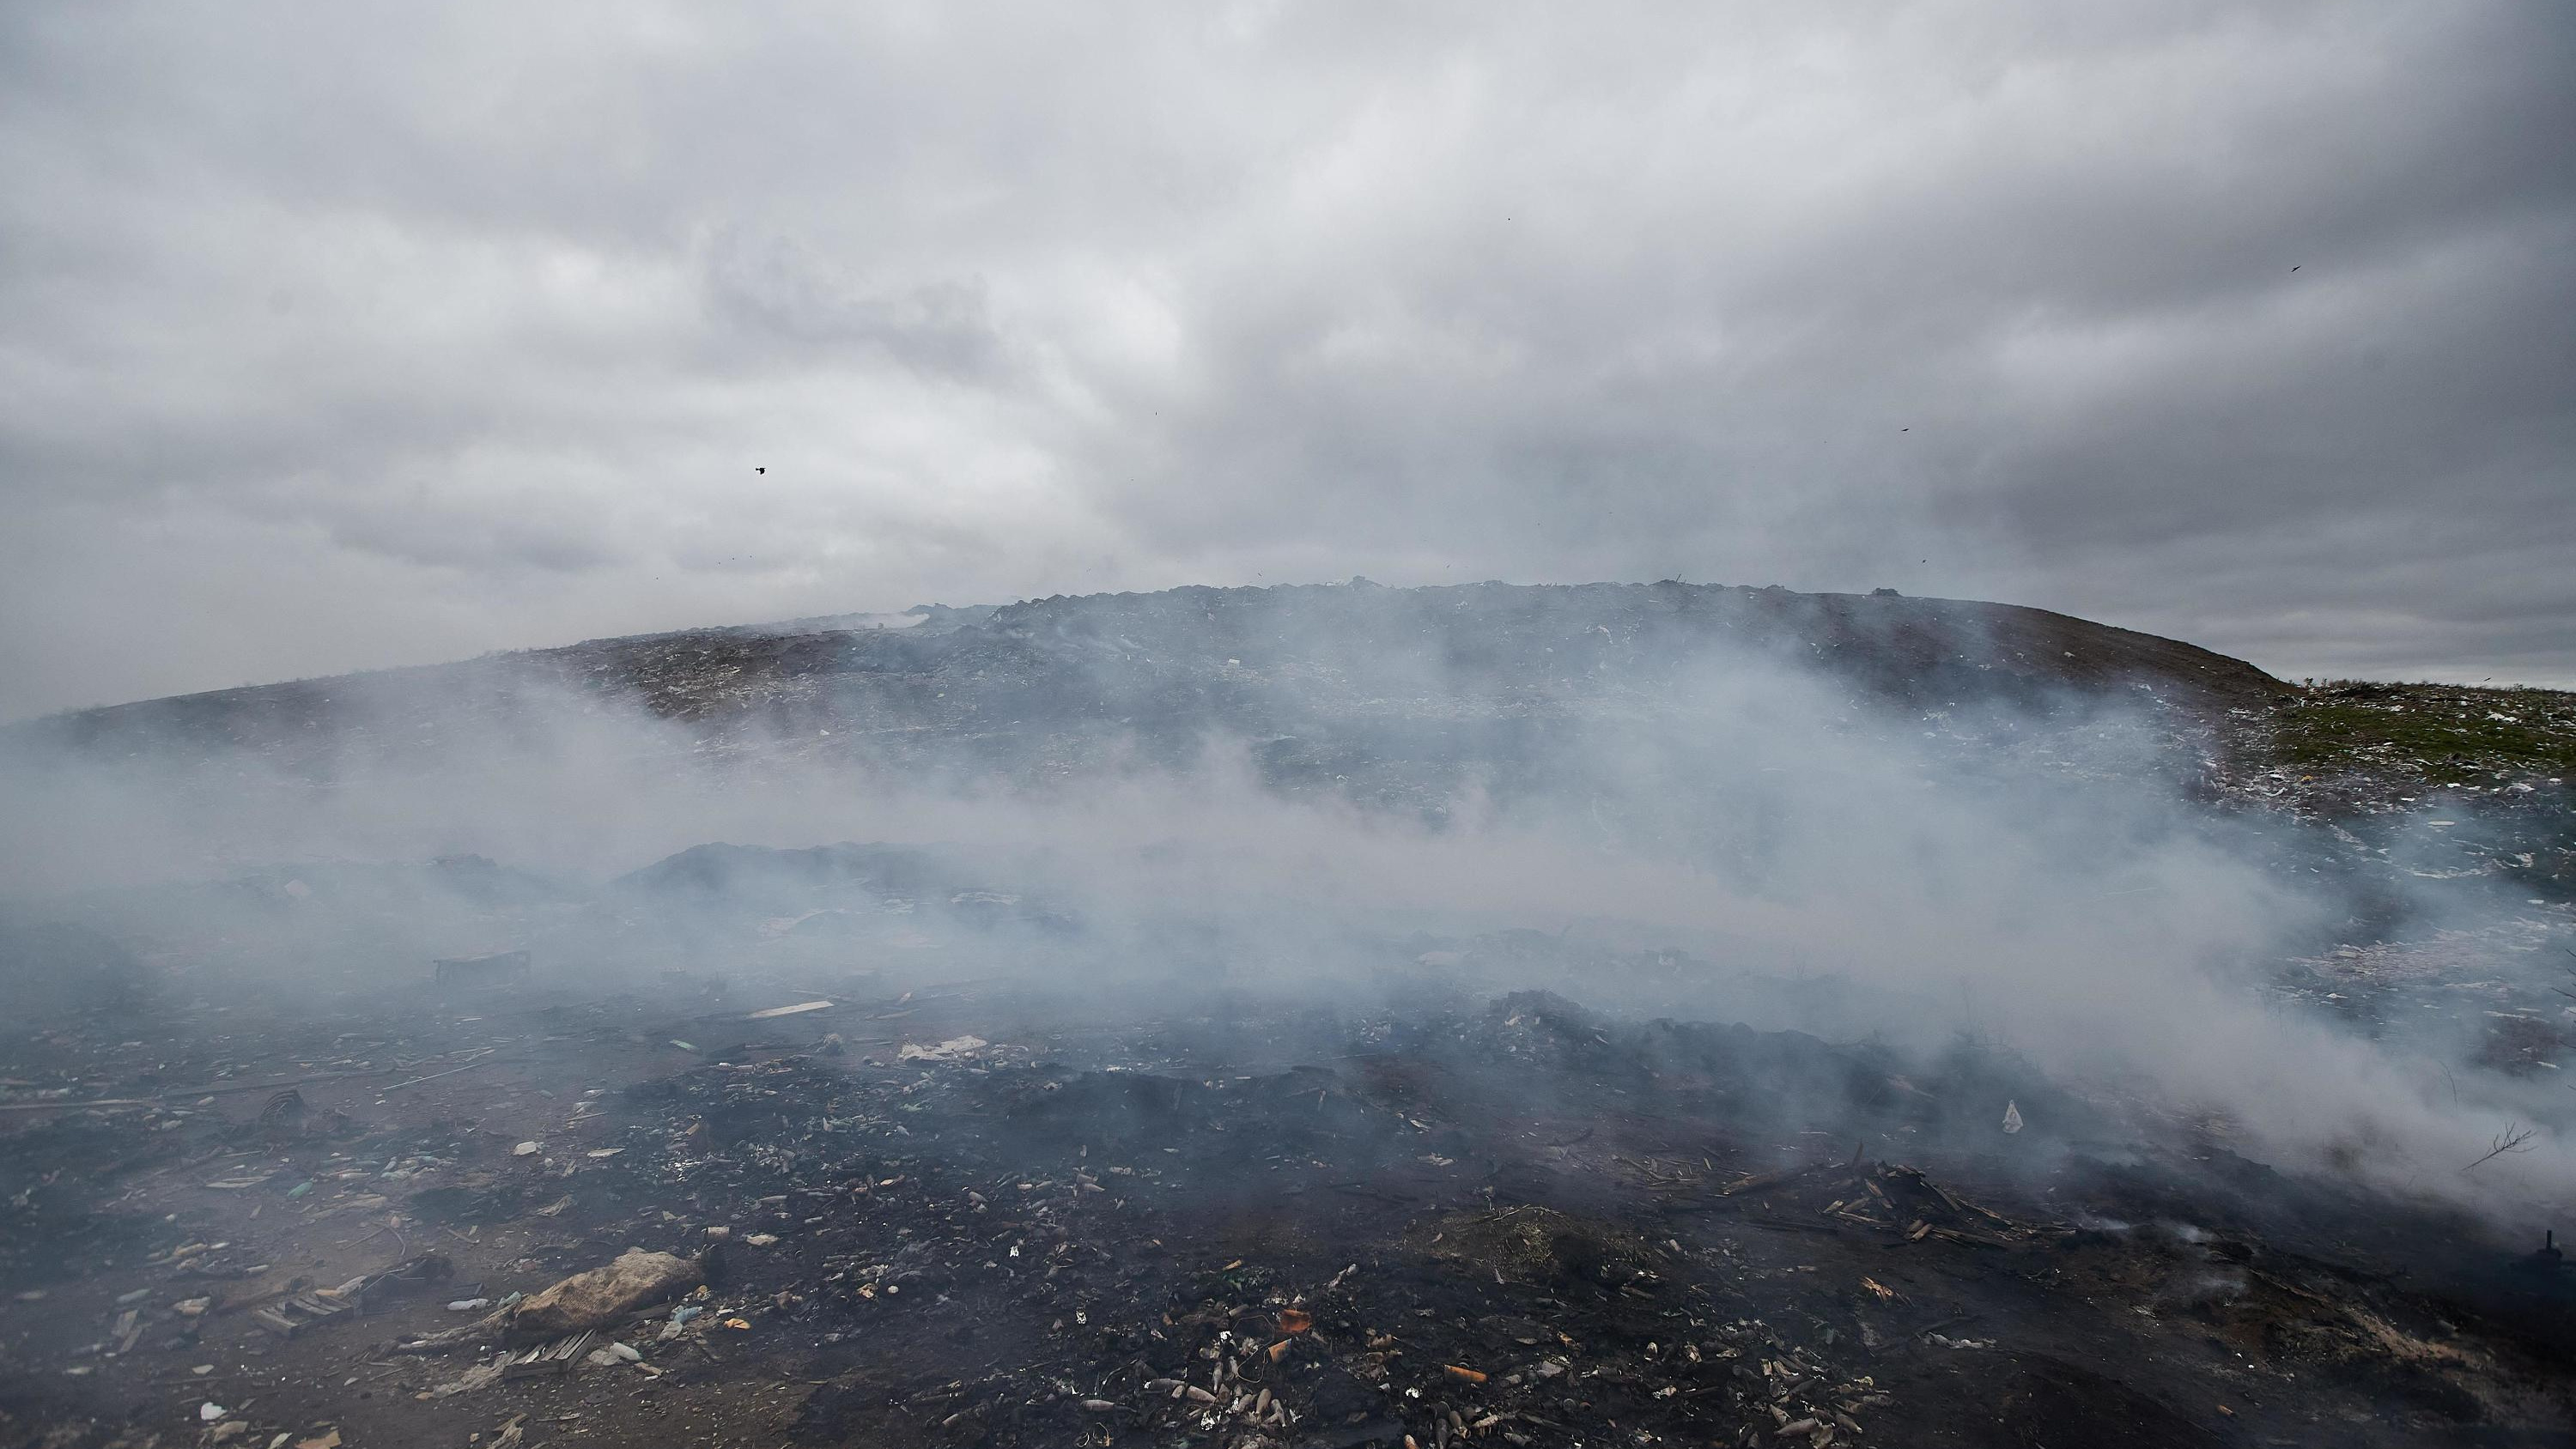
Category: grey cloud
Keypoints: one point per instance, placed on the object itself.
(780, 288)
(435, 302)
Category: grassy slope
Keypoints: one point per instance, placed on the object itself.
(2435, 732)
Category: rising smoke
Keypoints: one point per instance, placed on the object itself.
(1780, 851)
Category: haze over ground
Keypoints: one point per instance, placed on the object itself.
(337, 337)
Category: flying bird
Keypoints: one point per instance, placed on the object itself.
(760, 470)
(2294, 269)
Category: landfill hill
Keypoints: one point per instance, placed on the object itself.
(1349, 667)
(1403, 698)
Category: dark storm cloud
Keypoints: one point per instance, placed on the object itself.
(346, 335)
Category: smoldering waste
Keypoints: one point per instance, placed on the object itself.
(1203, 1221)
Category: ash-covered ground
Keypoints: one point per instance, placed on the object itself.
(1654, 1014)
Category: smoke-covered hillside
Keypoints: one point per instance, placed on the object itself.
(1351, 672)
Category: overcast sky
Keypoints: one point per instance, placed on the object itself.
(343, 335)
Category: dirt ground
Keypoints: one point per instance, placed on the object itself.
(979, 1214)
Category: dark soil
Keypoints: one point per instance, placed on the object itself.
(1154, 1221)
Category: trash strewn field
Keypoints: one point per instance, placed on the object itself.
(1202, 1220)
(1177, 1117)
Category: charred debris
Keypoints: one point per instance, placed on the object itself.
(980, 1214)
(753, 1145)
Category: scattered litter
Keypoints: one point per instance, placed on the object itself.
(798, 1009)
(296, 1312)
(555, 1357)
(956, 1048)
(589, 1300)
(2012, 1116)
(468, 1381)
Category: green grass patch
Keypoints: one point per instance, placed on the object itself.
(2444, 728)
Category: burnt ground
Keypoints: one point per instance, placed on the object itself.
(981, 1214)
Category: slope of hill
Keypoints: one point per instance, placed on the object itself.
(1356, 664)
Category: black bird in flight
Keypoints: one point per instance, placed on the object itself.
(760, 470)
(2294, 269)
